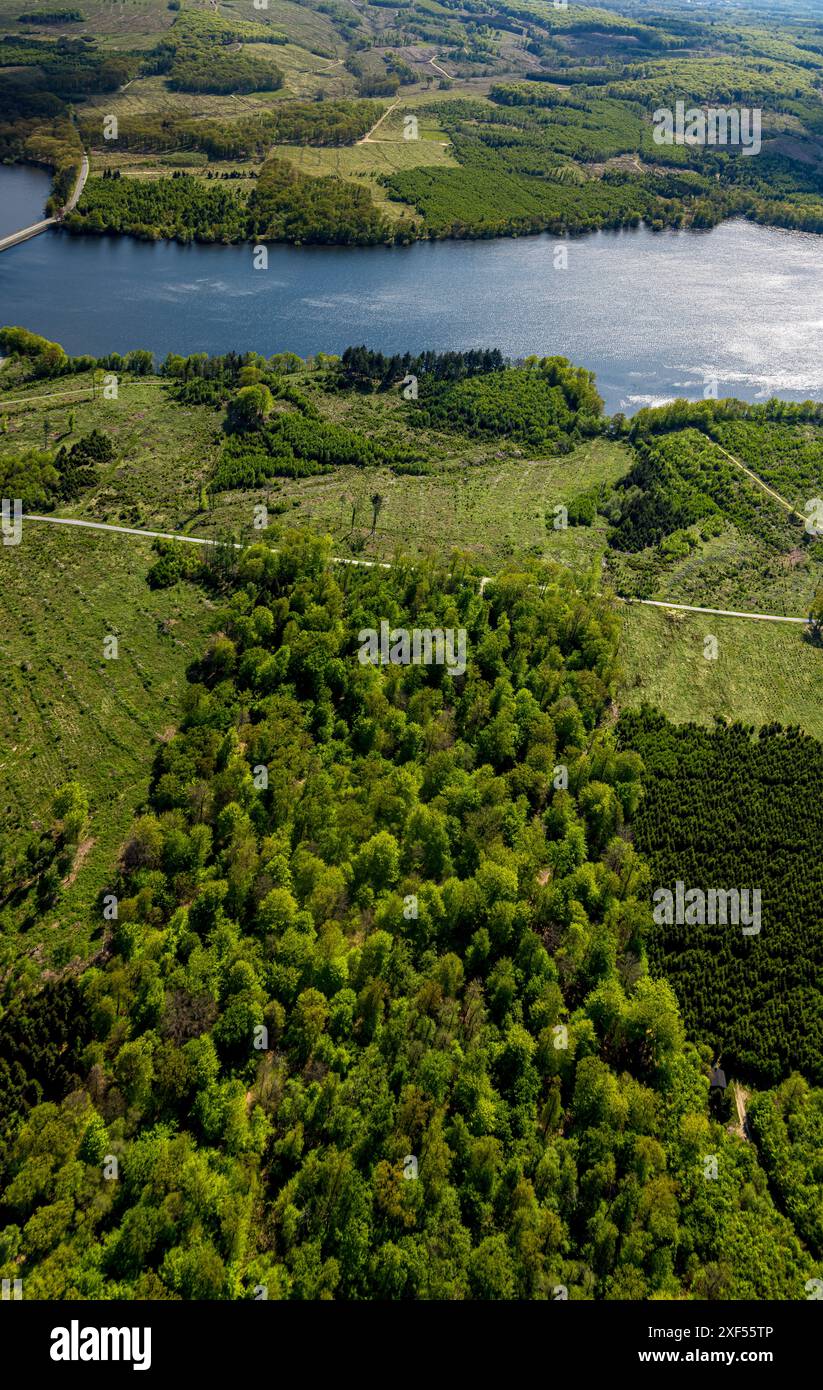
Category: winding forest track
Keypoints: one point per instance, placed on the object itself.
(741, 1096)
(367, 138)
(760, 483)
(438, 68)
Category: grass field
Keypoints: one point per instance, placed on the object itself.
(764, 672)
(305, 73)
(131, 23)
(365, 162)
(163, 451)
(484, 497)
(147, 96)
(304, 24)
(733, 571)
(494, 510)
(67, 713)
(415, 103)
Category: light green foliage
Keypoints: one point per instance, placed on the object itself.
(384, 1026)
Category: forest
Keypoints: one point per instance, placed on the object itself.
(43, 479)
(199, 69)
(547, 405)
(731, 807)
(190, 56)
(526, 166)
(288, 206)
(294, 122)
(682, 479)
(283, 205)
(374, 1002)
(38, 17)
(381, 924)
(719, 504)
(547, 122)
(179, 206)
(365, 370)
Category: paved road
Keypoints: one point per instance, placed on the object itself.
(372, 564)
(25, 233)
(79, 186)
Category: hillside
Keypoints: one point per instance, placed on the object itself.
(502, 464)
(379, 1025)
(332, 966)
(378, 122)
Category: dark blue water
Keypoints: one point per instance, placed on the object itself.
(23, 194)
(655, 315)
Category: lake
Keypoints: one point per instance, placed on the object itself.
(23, 194)
(655, 315)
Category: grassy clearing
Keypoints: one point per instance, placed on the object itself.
(67, 713)
(163, 451)
(152, 166)
(484, 497)
(306, 26)
(493, 509)
(306, 74)
(429, 128)
(149, 96)
(764, 672)
(365, 162)
(131, 23)
(735, 571)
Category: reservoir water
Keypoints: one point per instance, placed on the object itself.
(738, 309)
(23, 194)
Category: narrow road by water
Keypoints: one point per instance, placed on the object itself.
(26, 233)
